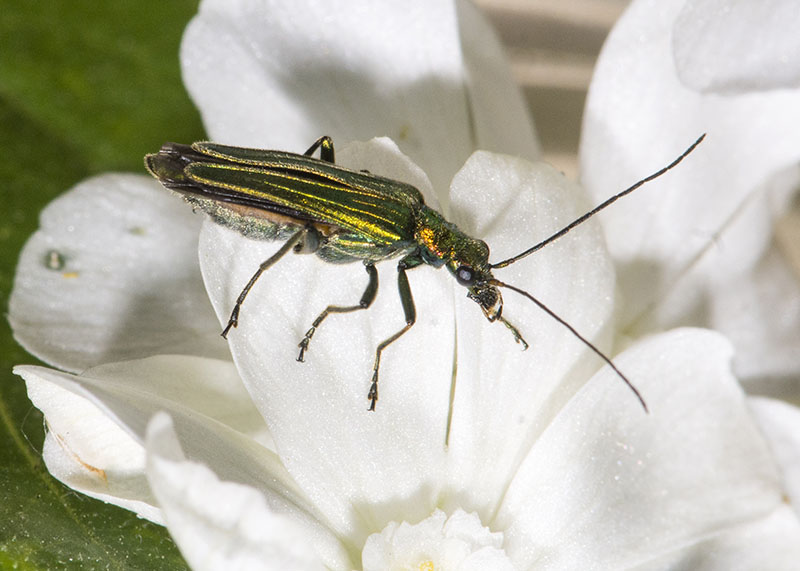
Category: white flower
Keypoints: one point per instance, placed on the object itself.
(480, 456)
(438, 542)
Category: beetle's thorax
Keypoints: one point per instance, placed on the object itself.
(441, 242)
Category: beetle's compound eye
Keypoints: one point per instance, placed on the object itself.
(465, 275)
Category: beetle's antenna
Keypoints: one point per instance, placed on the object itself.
(586, 342)
(597, 209)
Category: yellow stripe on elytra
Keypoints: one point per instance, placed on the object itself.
(354, 220)
(334, 215)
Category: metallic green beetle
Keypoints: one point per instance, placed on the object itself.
(343, 216)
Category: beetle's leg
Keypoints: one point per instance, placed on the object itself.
(366, 300)
(410, 313)
(325, 146)
(515, 332)
(295, 240)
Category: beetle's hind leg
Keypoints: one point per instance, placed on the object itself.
(298, 239)
(366, 300)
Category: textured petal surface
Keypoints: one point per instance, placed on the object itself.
(503, 396)
(265, 74)
(386, 463)
(727, 47)
(225, 525)
(112, 274)
(639, 117)
(609, 486)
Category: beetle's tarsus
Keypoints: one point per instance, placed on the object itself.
(304, 343)
(373, 391)
(232, 322)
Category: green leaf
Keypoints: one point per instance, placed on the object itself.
(85, 87)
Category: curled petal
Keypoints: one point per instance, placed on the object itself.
(88, 451)
(213, 415)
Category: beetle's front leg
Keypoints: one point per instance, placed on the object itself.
(515, 332)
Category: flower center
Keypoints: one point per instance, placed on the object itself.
(437, 543)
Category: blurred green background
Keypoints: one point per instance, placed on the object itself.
(85, 87)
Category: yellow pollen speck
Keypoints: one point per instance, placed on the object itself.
(404, 132)
(69, 275)
(427, 566)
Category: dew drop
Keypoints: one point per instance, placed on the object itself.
(54, 260)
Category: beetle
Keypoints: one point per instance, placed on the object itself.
(345, 216)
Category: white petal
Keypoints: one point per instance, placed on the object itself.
(278, 75)
(387, 461)
(728, 47)
(503, 395)
(638, 118)
(772, 542)
(609, 486)
(219, 524)
(202, 395)
(112, 274)
(88, 451)
(780, 423)
(459, 542)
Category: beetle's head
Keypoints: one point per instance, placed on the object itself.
(471, 269)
